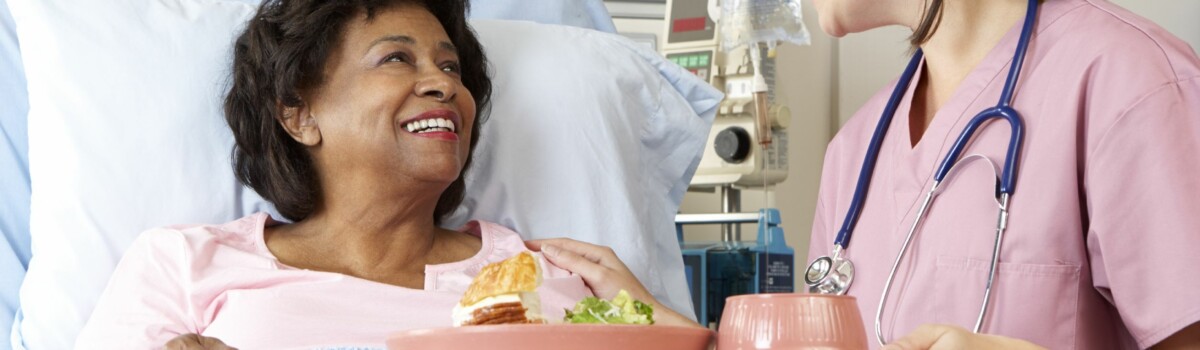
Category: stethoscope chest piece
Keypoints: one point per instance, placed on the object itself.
(829, 275)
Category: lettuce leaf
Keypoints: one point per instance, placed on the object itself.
(623, 309)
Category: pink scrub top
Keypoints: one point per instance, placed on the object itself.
(221, 281)
(1103, 242)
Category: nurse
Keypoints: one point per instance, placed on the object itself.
(1104, 228)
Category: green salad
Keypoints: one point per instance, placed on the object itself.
(623, 309)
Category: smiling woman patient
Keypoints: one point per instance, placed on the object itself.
(356, 119)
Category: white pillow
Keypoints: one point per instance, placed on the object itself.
(126, 134)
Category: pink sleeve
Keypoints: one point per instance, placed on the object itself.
(1143, 196)
(145, 303)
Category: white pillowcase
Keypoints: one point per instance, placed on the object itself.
(589, 137)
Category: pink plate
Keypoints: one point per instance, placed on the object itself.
(554, 336)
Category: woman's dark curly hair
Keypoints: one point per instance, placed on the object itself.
(283, 52)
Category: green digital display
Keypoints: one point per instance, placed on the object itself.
(691, 60)
(695, 62)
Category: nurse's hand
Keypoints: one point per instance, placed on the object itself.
(604, 273)
(943, 337)
(196, 342)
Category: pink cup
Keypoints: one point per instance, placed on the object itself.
(791, 321)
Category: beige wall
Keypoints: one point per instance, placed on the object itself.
(825, 83)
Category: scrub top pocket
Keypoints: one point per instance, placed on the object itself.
(1045, 298)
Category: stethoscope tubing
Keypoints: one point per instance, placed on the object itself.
(868, 168)
(1016, 136)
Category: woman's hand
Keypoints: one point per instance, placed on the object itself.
(942, 337)
(196, 342)
(604, 273)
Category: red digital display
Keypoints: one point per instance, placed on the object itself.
(688, 24)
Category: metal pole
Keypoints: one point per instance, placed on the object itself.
(731, 202)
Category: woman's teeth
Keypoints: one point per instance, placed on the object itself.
(430, 125)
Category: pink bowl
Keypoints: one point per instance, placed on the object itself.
(791, 321)
(554, 336)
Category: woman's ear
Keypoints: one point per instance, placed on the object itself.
(300, 124)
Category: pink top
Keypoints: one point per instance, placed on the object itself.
(1102, 242)
(221, 281)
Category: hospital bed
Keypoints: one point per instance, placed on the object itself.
(87, 150)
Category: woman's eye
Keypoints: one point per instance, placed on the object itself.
(452, 68)
(396, 57)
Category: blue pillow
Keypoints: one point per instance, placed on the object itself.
(14, 174)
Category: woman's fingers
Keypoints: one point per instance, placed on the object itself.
(589, 269)
(561, 243)
(536, 244)
(596, 253)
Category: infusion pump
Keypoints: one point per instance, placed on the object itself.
(731, 156)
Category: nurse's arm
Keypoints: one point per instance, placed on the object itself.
(1187, 338)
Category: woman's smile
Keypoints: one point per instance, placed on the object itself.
(440, 124)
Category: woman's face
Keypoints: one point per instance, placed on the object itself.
(841, 17)
(392, 104)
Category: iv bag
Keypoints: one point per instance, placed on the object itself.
(747, 22)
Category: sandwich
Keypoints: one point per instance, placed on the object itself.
(503, 293)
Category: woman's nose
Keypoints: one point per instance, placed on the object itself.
(436, 85)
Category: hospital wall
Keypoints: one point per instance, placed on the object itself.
(824, 84)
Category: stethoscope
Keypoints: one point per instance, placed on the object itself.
(833, 274)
